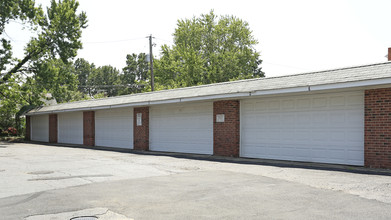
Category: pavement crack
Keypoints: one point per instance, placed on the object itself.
(107, 210)
(33, 196)
(70, 177)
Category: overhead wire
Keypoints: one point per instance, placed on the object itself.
(114, 41)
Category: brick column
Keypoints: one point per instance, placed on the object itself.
(89, 128)
(226, 130)
(378, 128)
(141, 130)
(28, 128)
(53, 128)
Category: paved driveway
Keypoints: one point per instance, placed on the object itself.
(51, 182)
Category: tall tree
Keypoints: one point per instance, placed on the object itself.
(83, 69)
(209, 49)
(59, 32)
(23, 10)
(105, 79)
(135, 73)
(45, 65)
(58, 79)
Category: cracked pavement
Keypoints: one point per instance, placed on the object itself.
(42, 180)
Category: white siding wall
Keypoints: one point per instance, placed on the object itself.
(114, 128)
(325, 128)
(70, 128)
(184, 128)
(40, 128)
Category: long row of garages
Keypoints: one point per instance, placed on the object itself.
(325, 127)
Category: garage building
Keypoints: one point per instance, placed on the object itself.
(340, 116)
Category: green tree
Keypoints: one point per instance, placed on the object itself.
(15, 99)
(135, 74)
(23, 82)
(11, 98)
(58, 79)
(209, 49)
(105, 79)
(22, 10)
(83, 69)
(59, 33)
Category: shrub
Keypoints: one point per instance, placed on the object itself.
(4, 133)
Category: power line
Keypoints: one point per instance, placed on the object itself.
(113, 41)
(168, 41)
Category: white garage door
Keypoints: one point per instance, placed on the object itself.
(40, 128)
(114, 128)
(325, 128)
(184, 128)
(70, 128)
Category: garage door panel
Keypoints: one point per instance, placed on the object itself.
(114, 128)
(317, 128)
(40, 128)
(70, 128)
(184, 128)
(354, 99)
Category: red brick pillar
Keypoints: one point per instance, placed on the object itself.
(53, 128)
(28, 128)
(377, 141)
(226, 128)
(141, 128)
(89, 128)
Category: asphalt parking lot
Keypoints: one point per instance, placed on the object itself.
(53, 182)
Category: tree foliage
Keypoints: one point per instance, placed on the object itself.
(22, 10)
(135, 74)
(83, 69)
(209, 49)
(46, 66)
(58, 79)
(59, 32)
(105, 79)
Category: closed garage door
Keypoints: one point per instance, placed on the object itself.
(326, 128)
(70, 128)
(40, 128)
(184, 128)
(114, 128)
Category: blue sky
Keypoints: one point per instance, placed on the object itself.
(294, 36)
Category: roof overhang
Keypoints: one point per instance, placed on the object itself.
(364, 84)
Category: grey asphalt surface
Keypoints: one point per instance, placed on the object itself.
(47, 182)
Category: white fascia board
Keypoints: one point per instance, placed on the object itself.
(100, 107)
(38, 113)
(280, 91)
(221, 96)
(168, 101)
(76, 109)
(130, 105)
(373, 82)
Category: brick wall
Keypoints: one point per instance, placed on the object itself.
(378, 128)
(226, 135)
(89, 128)
(53, 128)
(141, 133)
(28, 128)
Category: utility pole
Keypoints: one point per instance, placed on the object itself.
(151, 61)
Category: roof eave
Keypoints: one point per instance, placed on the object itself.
(308, 88)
